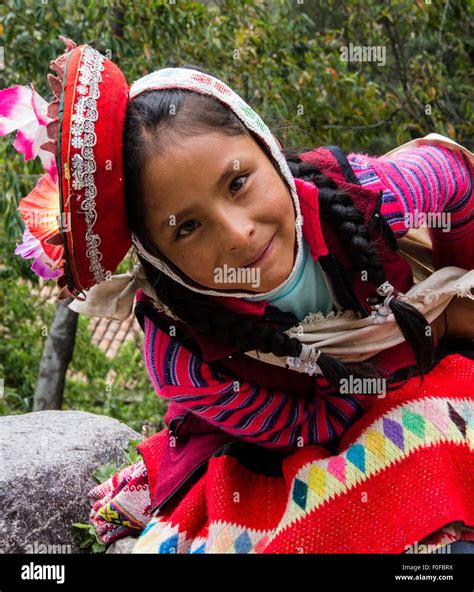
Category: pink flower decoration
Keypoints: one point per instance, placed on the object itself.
(42, 264)
(24, 110)
(40, 211)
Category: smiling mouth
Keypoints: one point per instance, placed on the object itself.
(261, 254)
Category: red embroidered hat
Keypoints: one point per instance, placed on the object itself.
(83, 128)
(76, 225)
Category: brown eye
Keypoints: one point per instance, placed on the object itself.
(236, 179)
(178, 233)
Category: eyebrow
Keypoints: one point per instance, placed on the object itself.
(189, 210)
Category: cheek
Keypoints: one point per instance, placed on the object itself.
(276, 203)
(198, 266)
(284, 209)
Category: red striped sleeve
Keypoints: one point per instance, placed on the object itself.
(268, 417)
(427, 185)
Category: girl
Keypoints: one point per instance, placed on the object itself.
(162, 172)
(274, 440)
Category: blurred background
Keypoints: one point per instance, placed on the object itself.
(366, 76)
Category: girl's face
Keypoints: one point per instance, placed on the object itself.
(214, 202)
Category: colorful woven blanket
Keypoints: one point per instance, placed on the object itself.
(403, 478)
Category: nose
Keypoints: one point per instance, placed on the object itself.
(237, 232)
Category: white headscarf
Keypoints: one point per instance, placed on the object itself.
(185, 78)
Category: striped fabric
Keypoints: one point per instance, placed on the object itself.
(257, 414)
(427, 179)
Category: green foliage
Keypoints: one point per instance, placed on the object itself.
(22, 335)
(279, 55)
(89, 539)
(119, 387)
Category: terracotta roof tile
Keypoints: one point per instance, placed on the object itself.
(107, 334)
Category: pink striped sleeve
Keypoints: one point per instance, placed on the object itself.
(427, 185)
(267, 417)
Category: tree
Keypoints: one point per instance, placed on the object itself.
(57, 354)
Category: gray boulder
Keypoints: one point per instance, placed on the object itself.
(47, 461)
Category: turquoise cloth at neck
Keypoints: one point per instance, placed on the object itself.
(306, 293)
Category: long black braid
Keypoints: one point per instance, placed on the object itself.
(337, 209)
(188, 113)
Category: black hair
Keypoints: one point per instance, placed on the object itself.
(181, 112)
